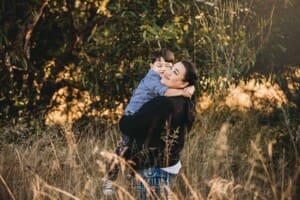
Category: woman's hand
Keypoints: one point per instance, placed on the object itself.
(188, 91)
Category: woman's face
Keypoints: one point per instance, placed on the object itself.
(174, 78)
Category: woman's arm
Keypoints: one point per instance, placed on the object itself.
(151, 117)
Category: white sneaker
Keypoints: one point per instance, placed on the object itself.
(107, 187)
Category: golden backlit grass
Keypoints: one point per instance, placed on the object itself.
(228, 155)
(244, 145)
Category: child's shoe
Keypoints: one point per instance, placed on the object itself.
(107, 187)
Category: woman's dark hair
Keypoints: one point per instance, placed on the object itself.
(165, 53)
(191, 72)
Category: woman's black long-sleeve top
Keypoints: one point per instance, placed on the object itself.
(157, 131)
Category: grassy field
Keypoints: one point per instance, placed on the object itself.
(231, 153)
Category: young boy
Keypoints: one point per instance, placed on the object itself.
(148, 88)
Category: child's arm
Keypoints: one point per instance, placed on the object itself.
(187, 92)
(173, 92)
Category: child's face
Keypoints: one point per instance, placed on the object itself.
(160, 66)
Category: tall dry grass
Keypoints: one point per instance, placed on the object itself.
(229, 154)
(232, 154)
(51, 168)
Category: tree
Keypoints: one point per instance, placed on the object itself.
(105, 46)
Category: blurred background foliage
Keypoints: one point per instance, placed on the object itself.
(103, 47)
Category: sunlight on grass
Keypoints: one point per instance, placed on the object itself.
(257, 95)
(254, 94)
(234, 151)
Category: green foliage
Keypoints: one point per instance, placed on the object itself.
(282, 47)
(106, 46)
(228, 36)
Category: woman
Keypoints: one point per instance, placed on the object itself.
(158, 131)
(149, 87)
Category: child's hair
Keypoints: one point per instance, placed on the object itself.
(165, 53)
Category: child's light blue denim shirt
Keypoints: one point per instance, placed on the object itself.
(149, 87)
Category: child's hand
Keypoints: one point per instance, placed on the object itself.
(188, 91)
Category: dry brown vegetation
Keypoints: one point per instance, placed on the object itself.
(244, 145)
